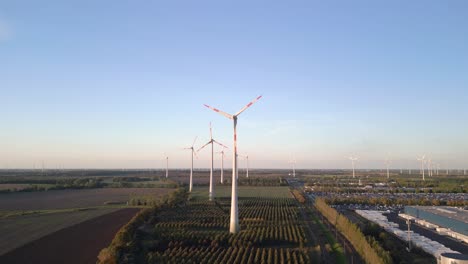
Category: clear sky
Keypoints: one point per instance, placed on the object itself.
(112, 84)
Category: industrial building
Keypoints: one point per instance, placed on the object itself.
(432, 247)
(450, 221)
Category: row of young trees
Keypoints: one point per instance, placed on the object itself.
(196, 231)
(370, 250)
(249, 255)
(266, 220)
(258, 181)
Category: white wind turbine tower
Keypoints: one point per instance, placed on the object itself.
(211, 141)
(246, 157)
(353, 160)
(167, 166)
(293, 162)
(234, 225)
(194, 153)
(429, 167)
(422, 159)
(222, 164)
(387, 163)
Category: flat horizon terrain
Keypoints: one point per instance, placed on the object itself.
(62, 199)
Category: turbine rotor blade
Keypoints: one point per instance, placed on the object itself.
(248, 105)
(219, 144)
(209, 142)
(219, 111)
(194, 141)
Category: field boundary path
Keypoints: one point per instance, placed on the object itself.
(78, 244)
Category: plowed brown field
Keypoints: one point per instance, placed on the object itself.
(78, 244)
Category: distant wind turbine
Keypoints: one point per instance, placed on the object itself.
(422, 159)
(194, 153)
(387, 163)
(429, 167)
(293, 162)
(353, 160)
(234, 225)
(167, 165)
(246, 157)
(222, 164)
(211, 141)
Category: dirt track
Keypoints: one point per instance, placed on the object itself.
(76, 244)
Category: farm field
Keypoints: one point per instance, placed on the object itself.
(76, 244)
(19, 230)
(272, 230)
(62, 199)
(243, 191)
(28, 216)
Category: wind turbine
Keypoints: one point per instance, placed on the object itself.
(429, 167)
(211, 141)
(167, 165)
(353, 159)
(194, 153)
(387, 163)
(422, 159)
(222, 164)
(246, 157)
(234, 225)
(293, 162)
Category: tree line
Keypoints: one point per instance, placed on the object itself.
(369, 249)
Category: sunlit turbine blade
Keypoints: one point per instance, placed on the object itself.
(219, 111)
(248, 105)
(219, 144)
(194, 141)
(209, 142)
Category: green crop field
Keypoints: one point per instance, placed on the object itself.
(197, 231)
(21, 229)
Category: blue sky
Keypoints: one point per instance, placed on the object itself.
(111, 84)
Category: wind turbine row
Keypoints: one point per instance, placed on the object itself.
(234, 221)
